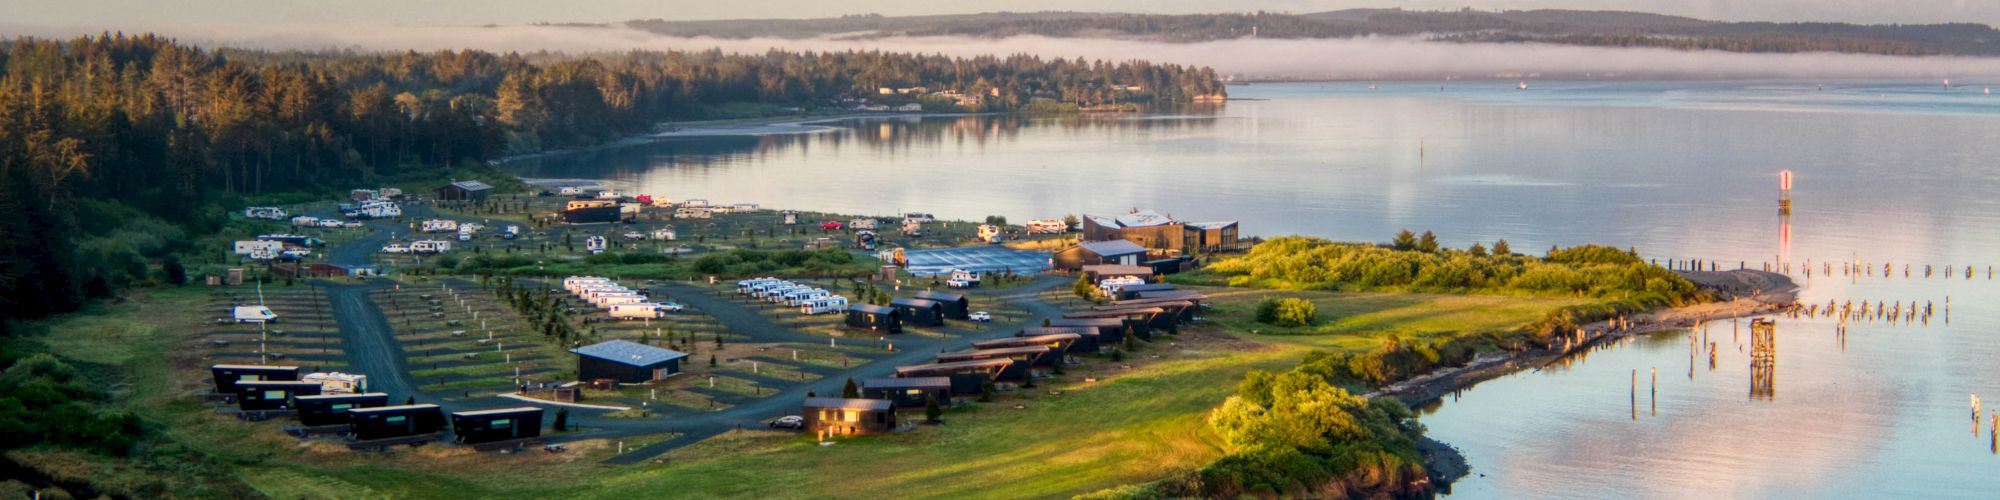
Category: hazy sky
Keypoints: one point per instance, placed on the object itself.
(136, 14)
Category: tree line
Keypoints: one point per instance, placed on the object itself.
(99, 133)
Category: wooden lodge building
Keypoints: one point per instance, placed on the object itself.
(967, 377)
(626, 362)
(914, 392)
(385, 422)
(848, 417)
(1156, 231)
(1100, 272)
(919, 311)
(331, 409)
(955, 304)
(1110, 331)
(874, 317)
(486, 426)
(1097, 253)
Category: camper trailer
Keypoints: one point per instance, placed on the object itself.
(693, 213)
(695, 203)
(989, 233)
(271, 213)
(255, 247)
(961, 278)
(913, 229)
(1047, 227)
(604, 301)
(595, 244)
(918, 218)
(338, 383)
(790, 217)
(608, 195)
(637, 311)
(430, 247)
(862, 223)
(571, 191)
(255, 314)
(664, 234)
(823, 305)
(743, 287)
(440, 226)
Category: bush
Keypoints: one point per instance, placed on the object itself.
(1292, 312)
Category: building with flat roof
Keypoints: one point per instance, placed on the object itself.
(1161, 232)
(626, 361)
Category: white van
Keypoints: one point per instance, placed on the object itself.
(255, 314)
(440, 226)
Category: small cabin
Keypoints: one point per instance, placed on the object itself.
(1138, 320)
(1058, 345)
(874, 317)
(226, 376)
(1024, 358)
(1087, 341)
(1180, 311)
(1100, 272)
(914, 392)
(955, 304)
(626, 361)
(331, 409)
(486, 426)
(258, 395)
(1110, 331)
(1129, 292)
(384, 422)
(919, 311)
(848, 417)
(967, 377)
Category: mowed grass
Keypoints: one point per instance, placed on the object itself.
(1356, 321)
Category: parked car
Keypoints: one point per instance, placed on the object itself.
(672, 307)
(789, 422)
(981, 316)
(395, 249)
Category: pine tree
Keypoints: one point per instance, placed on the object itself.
(850, 391)
(1428, 243)
(562, 419)
(1500, 248)
(986, 391)
(932, 412)
(1405, 240)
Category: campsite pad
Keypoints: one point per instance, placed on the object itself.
(984, 259)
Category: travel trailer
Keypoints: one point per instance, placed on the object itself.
(989, 233)
(823, 305)
(1047, 227)
(430, 247)
(637, 311)
(338, 383)
(440, 226)
(271, 213)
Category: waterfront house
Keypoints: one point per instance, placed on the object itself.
(626, 362)
(912, 392)
(1117, 252)
(848, 417)
(1150, 229)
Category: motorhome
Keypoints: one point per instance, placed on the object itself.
(919, 217)
(266, 247)
(338, 383)
(440, 226)
(595, 244)
(862, 223)
(1047, 227)
(607, 195)
(272, 213)
(790, 217)
(1109, 287)
(961, 278)
(637, 311)
(604, 301)
(823, 305)
(571, 191)
(305, 220)
(989, 233)
(255, 314)
(913, 229)
(760, 289)
(664, 234)
(743, 287)
(429, 247)
(693, 213)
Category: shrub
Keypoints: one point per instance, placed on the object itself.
(1292, 312)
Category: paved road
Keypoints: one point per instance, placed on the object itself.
(371, 344)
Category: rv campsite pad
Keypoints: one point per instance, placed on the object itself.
(984, 259)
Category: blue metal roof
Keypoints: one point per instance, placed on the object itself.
(629, 352)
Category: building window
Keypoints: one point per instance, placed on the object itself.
(396, 419)
(503, 424)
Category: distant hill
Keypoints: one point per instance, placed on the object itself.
(1570, 27)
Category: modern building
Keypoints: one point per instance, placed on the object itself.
(486, 426)
(913, 392)
(384, 422)
(626, 362)
(967, 377)
(1024, 359)
(1093, 253)
(874, 317)
(1086, 337)
(1057, 344)
(331, 409)
(1100, 272)
(1156, 231)
(257, 395)
(919, 311)
(227, 376)
(464, 191)
(848, 417)
(955, 304)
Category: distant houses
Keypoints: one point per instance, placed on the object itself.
(919, 311)
(626, 362)
(955, 304)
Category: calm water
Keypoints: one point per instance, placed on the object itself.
(1886, 172)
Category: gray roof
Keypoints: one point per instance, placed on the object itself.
(472, 185)
(628, 352)
(939, 296)
(1113, 248)
(871, 308)
(906, 383)
(920, 303)
(852, 404)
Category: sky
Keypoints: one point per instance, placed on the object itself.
(91, 15)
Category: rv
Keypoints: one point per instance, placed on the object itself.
(608, 300)
(913, 229)
(571, 191)
(864, 240)
(743, 287)
(823, 305)
(338, 383)
(294, 240)
(664, 234)
(595, 244)
(394, 248)
(272, 213)
(744, 208)
(305, 220)
(695, 203)
(799, 298)
(428, 247)
(961, 278)
(607, 195)
(251, 247)
(511, 232)
(919, 218)
(862, 223)
(255, 314)
(790, 217)
(693, 213)
(1109, 287)
(440, 226)
(637, 311)
(989, 233)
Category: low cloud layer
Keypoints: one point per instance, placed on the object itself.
(1363, 58)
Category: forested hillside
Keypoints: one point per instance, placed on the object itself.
(1570, 27)
(114, 149)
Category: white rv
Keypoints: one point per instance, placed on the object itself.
(823, 305)
(791, 217)
(637, 311)
(305, 220)
(440, 226)
(1047, 227)
(603, 301)
(255, 314)
(1111, 286)
(744, 208)
(253, 247)
(607, 195)
(272, 213)
(664, 234)
(693, 213)
(861, 223)
(695, 203)
(571, 191)
(337, 382)
(989, 233)
(429, 247)
(743, 287)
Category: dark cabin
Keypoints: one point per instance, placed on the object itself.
(383, 422)
(1100, 272)
(848, 417)
(1110, 331)
(1163, 316)
(591, 215)
(1058, 345)
(874, 317)
(226, 376)
(1025, 359)
(908, 392)
(486, 426)
(1140, 320)
(1163, 267)
(966, 376)
(331, 409)
(955, 304)
(1086, 337)
(1184, 311)
(1116, 252)
(1129, 292)
(256, 395)
(919, 311)
(464, 191)
(626, 361)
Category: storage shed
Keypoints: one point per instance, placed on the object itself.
(874, 317)
(626, 361)
(966, 376)
(331, 409)
(911, 392)
(258, 395)
(919, 311)
(226, 376)
(955, 304)
(464, 191)
(848, 417)
(486, 426)
(384, 422)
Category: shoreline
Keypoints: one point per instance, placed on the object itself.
(746, 127)
(1751, 293)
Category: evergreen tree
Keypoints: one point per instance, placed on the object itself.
(850, 391)
(1405, 240)
(562, 419)
(1500, 248)
(932, 412)
(1428, 243)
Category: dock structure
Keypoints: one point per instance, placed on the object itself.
(1763, 358)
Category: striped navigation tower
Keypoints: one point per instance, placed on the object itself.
(1785, 192)
(1784, 221)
